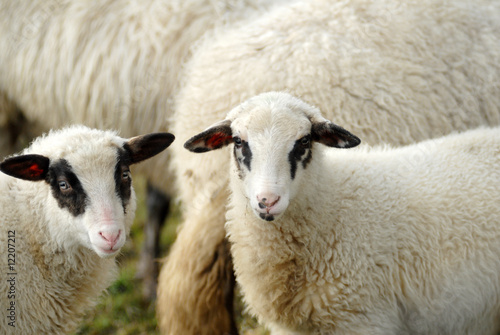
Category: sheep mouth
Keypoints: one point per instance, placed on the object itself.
(107, 252)
(269, 213)
(266, 216)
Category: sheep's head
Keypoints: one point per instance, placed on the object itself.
(84, 176)
(273, 136)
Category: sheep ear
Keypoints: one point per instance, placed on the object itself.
(143, 147)
(27, 167)
(332, 135)
(215, 137)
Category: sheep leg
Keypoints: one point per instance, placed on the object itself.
(16, 131)
(158, 205)
(195, 294)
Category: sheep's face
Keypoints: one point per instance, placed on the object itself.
(93, 193)
(90, 201)
(272, 147)
(273, 137)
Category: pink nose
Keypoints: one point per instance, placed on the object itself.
(110, 237)
(267, 200)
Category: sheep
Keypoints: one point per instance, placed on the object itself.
(391, 71)
(107, 64)
(66, 207)
(330, 241)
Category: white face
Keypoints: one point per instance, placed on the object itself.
(271, 151)
(93, 196)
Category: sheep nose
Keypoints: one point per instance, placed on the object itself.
(110, 237)
(267, 200)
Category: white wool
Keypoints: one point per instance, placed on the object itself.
(373, 241)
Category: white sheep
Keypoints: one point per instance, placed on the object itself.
(66, 207)
(330, 241)
(390, 71)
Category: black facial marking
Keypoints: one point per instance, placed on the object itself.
(267, 217)
(66, 188)
(307, 159)
(238, 160)
(123, 178)
(300, 147)
(247, 154)
(243, 155)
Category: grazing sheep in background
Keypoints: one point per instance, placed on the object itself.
(390, 71)
(329, 241)
(107, 64)
(63, 218)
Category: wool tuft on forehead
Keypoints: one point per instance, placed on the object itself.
(279, 103)
(274, 113)
(59, 143)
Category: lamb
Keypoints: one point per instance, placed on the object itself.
(67, 204)
(390, 71)
(330, 241)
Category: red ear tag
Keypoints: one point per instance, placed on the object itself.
(35, 170)
(217, 140)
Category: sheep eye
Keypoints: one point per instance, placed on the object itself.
(126, 175)
(305, 141)
(64, 186)
(237, 141)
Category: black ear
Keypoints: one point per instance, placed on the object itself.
(215, 137)
(143, 147)
(332, 135)
(27, 167)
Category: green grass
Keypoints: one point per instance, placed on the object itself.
(122, 310)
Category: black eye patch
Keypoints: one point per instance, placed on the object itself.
(123, 180)
(247, 154)
(243, 155)
(66, 187)
(296, 155)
